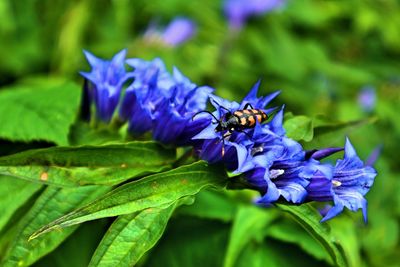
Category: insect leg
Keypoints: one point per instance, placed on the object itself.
(223, 142)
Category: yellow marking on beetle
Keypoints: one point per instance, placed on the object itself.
(247, 111)
(265, 116)
(238, 113)
(242, 121)
(251, 121)
(44, 176)
(259, 118)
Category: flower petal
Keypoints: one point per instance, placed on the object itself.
(207, 133)
(334, 211)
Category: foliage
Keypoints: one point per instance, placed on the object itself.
(155, 205)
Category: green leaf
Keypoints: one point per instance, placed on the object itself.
(247, 226)
(41, 113)
(273, 253)
(323, 126)
(211, 204)
(190, 242)
(14, 194)
(155, 191)
(333, 132)
(299, 128)
(81, 244)
(345, 230)
(309, 218)
(292, 232)
(53, 203)
(130, 236)
(83, 165)
(84, 134)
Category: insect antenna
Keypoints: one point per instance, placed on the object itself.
(208, 112)
(215, 102)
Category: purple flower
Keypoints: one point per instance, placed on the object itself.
(237, 11)
(177, 32)
(278, 166)
(350, 181)
(322, 153)
(173, 122)
(367, 98)
(173, 109)
(107, 78)
(150, 87)
(267, 144)
(163, 103)
(222, 146)
(287, 174)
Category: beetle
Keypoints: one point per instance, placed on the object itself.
(238, 120)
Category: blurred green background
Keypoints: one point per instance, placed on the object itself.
(320, 54)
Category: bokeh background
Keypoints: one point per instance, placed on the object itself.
(337, 60)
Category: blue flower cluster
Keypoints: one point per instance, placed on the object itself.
(170, 105)
(154, 100)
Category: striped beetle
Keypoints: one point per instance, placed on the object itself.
(238, 120)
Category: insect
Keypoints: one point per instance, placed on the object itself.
(238, 120)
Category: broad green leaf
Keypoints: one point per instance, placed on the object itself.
(190, 242)
(309, 218)
(323, 126)
(273, 253)
(211, 204)
(130, 236)
(299, 128)
(292, 232)
(53, 203)
(344, 229)
(13, 194)
(83, 165)
(37, 113)
(383, 229)
(155, 191)
(333, 132)
(248, 226)
(82, 133)
(78, 248)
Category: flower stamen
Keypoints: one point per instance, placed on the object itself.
(256, 150)
(336, 183)
(275, 173)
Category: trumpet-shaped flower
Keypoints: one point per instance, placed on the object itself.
(163, 103)
(107, 79)
(287, 174)
(349, 183)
